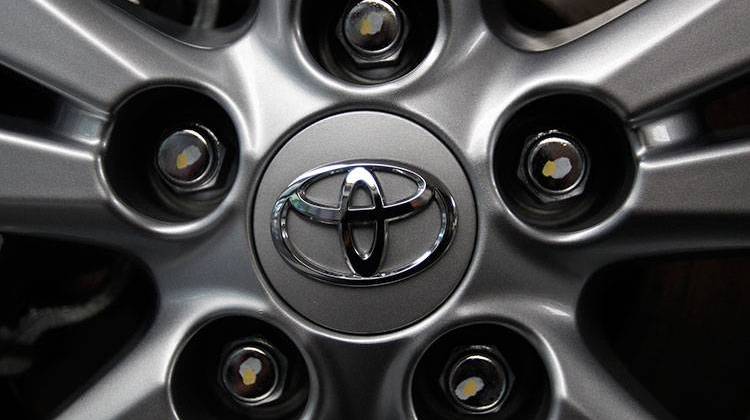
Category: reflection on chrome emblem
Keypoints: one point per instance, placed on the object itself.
(364, 266)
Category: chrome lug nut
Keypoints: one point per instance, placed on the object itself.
(477, 379)
(253, 373)
(188, 159)
(372, 26)
(554, 166)
(373, 32)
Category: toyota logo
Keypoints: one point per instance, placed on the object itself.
(365, 265)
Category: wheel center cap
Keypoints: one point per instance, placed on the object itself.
(364, 233)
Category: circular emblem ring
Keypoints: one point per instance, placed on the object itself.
(364, 265)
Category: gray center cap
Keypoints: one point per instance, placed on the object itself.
(364, 222)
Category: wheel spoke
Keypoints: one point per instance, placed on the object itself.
(588, 390)
(662, 50)
(50, 186)
(691, 201)
(709, 182)
(85, 49)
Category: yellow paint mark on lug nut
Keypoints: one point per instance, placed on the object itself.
(249, 370)
(248, 377)
(367, 28)
(182, 160)
(550, 168)
(469, 387)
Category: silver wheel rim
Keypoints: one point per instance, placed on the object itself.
(466, 89)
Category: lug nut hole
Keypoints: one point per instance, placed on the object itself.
(237, 367)
(483, 371)
(172, 153)
(369, 41)
(556, 169)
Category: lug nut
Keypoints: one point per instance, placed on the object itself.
(372, 26)
(373, 32)
(554, 166)
(253, 373)
(188, 159)
(477, 379)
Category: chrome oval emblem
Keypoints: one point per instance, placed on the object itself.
(365, 266)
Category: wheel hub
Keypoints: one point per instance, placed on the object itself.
(361, 229)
